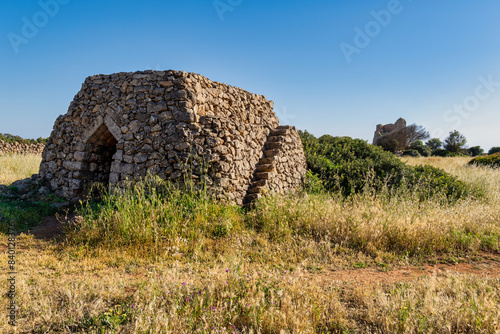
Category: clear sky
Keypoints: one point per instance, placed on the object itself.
(331, 66)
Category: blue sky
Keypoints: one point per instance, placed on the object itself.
(336, 67)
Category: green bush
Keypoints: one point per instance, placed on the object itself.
(426, 151)
(423, 150)
(494, 150)
(412, 153)
(475, 151)
(351, 166)
(440, 152)
(492, 160)
(430, 181)
(448, 154)
(344, 164)
(313, 183)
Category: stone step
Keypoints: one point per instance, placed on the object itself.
(274, 139)
(267, 161)
(255, 190)
(250, 198)
(262, 176)
(285, 127)
(258, 183)
(264, 168)
(274, 145)
(279, 132)
(271, 153)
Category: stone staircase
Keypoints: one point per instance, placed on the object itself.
(266, 166)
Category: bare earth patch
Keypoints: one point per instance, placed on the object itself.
(51, 227)
(488, 265)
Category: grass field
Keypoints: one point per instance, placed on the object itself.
(181, 263)
(17, 167)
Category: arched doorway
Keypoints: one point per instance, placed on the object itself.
(100, 147)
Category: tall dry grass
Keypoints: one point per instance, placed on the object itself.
(113, 293)
(15, 167)
(174, 262)
(389, 226)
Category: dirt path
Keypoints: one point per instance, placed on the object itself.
(489, 266)
(51, 227)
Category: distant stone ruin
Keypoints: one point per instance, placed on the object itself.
(383, 130)
(175, 125)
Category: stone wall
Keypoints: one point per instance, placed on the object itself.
(19, 148)
(172, 124)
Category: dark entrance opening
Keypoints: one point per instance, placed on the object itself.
(101, 147)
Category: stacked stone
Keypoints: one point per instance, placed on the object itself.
(235, 125)
(283, 166)
(388, 129)
(172, 124)
(20, 148)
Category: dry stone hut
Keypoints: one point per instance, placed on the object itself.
(175, 125)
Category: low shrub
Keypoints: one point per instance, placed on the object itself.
(474, 151)
(423, 150)
(492, 160)
(494, 150)
(447, 154)
(313, 183)
(412, 153)
(351, 166)
(431, 181)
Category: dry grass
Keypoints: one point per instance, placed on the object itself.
(61, 294)
(486, 177)
(15, 167)
(249, 274)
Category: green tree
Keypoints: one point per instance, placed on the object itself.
(402, 140)
(434, 144)
(475, 151)
(421, 148)
(455, 142)
(494, 150)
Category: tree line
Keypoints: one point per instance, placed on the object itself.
(409, 141)
(8, 138)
